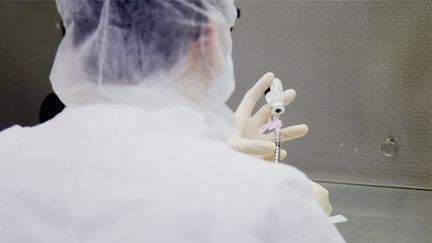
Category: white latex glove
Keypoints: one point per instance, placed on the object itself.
(246, 138)
(321, 195)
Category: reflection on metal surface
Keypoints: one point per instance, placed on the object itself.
(389, 148)
(58, 25)
(384, 215)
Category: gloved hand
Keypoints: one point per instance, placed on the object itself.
(246, 138)
(321, 195)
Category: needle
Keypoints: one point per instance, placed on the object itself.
(277, 132)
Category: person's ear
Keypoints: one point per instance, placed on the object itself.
(202, 61)
(204, 50)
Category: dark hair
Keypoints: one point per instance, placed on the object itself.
(135, 36)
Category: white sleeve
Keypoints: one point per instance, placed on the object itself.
(292, 218)
(293, 215)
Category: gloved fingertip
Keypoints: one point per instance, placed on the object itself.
(266, 80)
(329, 209)
(290, 92)
(305, 128)
(268, 158)
(289, 95)
(269, 75)
(283, 154)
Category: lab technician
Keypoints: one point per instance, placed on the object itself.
(140, 152)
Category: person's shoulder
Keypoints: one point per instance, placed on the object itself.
(290, 203)
(10, 136)
(11, 132)
(18, 136)
(279, 172)
(279, 190)
(278, 176)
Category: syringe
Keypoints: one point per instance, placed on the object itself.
(277, 142)
(275, 97)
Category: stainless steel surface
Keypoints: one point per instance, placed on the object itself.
(384, 215)
(362, 71)
(389, 147)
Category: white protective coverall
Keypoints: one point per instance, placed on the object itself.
(130, 162)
